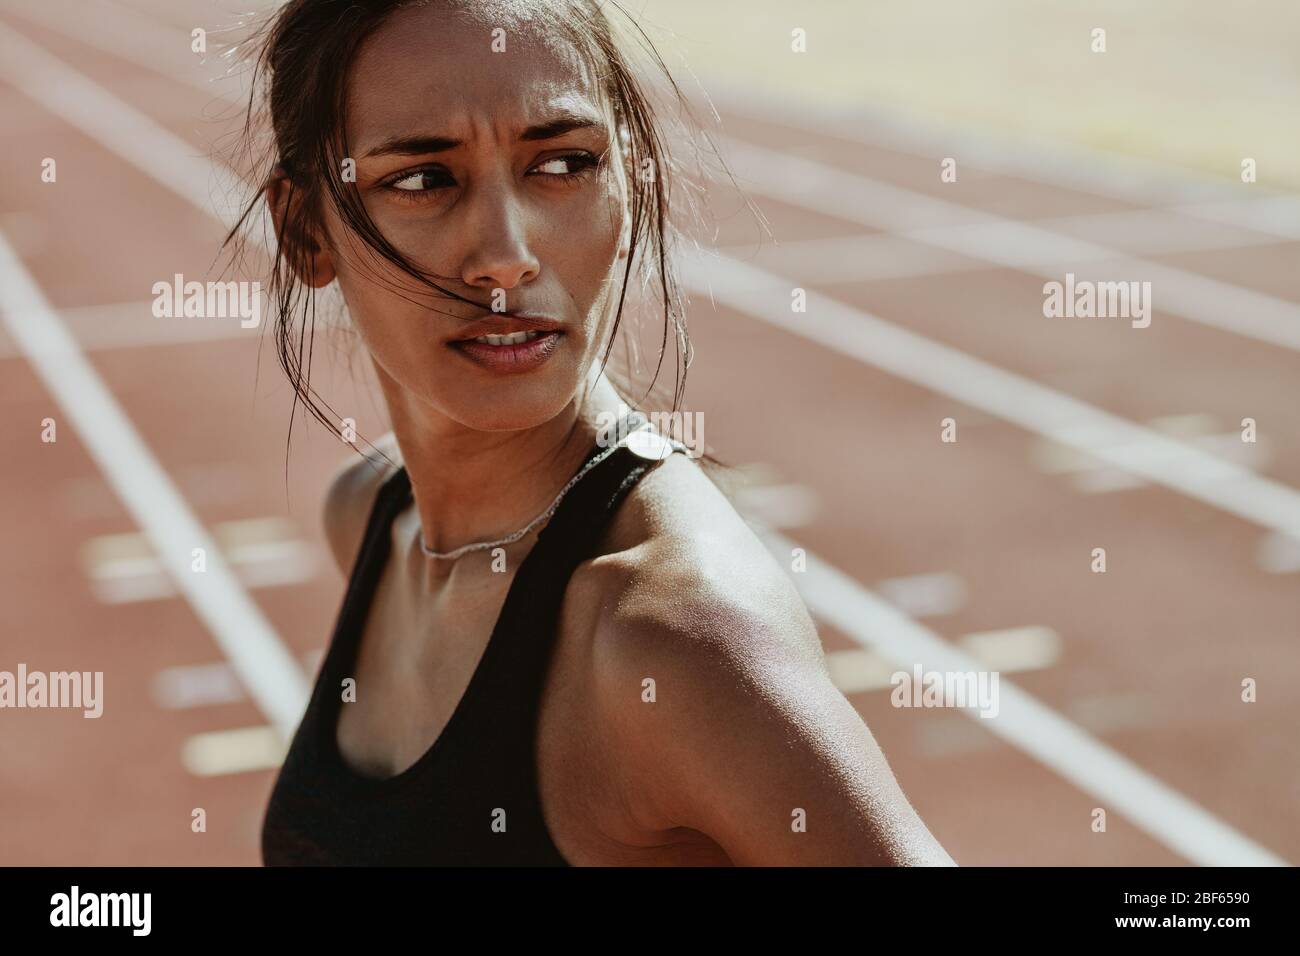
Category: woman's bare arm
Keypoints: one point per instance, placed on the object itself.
(747, 739)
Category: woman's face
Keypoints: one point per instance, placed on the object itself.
(470, 163)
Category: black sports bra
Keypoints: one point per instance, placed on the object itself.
(472, 798)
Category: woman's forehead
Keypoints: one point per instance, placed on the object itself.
(428, 66)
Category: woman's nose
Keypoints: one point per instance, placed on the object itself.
(499, 255)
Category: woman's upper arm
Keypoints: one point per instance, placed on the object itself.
(742, 736)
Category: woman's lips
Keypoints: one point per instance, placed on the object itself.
(522, 357)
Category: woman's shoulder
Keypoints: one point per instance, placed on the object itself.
(351, 493)
(680, 568)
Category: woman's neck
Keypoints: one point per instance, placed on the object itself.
(470, 486)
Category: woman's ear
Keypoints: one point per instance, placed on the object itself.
(310, 260)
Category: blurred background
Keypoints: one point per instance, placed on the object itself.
(949, 459)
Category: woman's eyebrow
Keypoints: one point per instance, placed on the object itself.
(565, 123)
(421, 145)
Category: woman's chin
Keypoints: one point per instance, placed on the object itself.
(520, 409)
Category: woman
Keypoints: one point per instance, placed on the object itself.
(558, 645)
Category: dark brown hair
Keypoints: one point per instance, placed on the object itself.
(294, 121)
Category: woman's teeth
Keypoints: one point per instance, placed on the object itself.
(514, 338)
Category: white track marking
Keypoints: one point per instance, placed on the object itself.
(118, 127)
(1117, 783)
(924, 595)
(778, 506)
(1044, 411)
(1279, 554)
(858, 670)
(1023, 156)
(878, 256)
(263, 552)
(196, 685)
(867, 258)
(131, 35)
(1010, 651)
(1275, 215)
(272, 676)
(233, 751)
(1015, 245)
(129, 325)
(1160, 232)
(1014, 649)
(209, 685)
(1108, 713)
(1091, 476)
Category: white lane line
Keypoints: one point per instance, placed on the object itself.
(1278, 554)
(1275, 215)
(196, 685)
(1014, 649)
(924, 595)
(1201, 430)
(867, 258)
(118, 127)
(871, 340)
(778, 506)
(264, 665)
(877, 256)
(858, 670)
(1010, 651)
(1116, 782)
(1157, 232)
(129, 325)
(1110, 712)
(272, 676)
(233, 751)
(126, 33)
(1022, 156)
(1014, 245)
(209, 685)
(263, 552)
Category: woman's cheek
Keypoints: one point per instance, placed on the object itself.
(586, 251)
(381, 316)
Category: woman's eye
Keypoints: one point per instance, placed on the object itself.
(419, 183)
(416, 182)
(576, 164)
